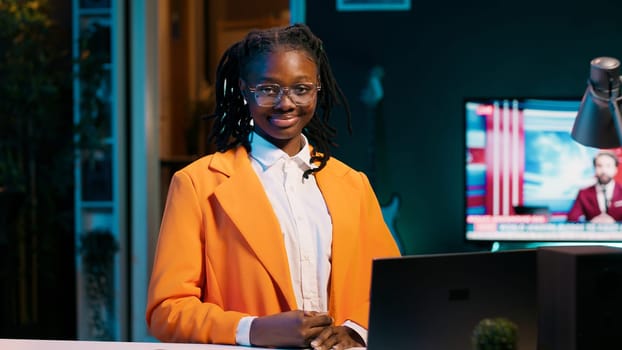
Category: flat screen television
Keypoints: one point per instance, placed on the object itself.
(524, 170)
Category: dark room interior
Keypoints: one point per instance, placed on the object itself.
(411, 143)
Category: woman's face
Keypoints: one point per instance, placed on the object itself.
(282, 123)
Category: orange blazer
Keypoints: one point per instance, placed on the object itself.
(220, 254)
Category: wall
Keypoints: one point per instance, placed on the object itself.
(228, 21)
(434, 56)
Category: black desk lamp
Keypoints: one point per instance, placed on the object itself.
(599, 122)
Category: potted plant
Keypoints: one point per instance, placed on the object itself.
(495, 334)
(97, 250)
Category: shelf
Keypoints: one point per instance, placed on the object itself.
(94, 12)
(100, 193)
(97, 204)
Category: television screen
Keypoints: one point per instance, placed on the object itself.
(524, 172)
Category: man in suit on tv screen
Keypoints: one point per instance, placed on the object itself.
(601, 202)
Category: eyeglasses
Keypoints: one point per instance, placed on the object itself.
(269, 95)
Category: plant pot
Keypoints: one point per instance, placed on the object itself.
(98, 249)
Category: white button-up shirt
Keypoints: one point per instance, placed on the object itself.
(305, 222)
(601, 196)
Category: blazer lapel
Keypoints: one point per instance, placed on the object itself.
(616, 198)
(245, 202)
(340, 199)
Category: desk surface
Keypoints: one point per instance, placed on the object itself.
(27, 344)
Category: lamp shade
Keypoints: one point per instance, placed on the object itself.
(597, 124)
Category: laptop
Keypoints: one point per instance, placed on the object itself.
(432, 302)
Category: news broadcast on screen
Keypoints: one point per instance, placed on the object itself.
(524, 172)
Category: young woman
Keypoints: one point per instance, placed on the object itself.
(269, 241)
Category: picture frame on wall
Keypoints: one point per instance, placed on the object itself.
(373, 5)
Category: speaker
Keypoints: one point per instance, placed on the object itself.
(580, 298)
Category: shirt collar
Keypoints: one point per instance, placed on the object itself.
(268, 154)
(609, 186)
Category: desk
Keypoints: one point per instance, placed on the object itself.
(26, 344)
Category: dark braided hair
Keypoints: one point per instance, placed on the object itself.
(232, 119)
